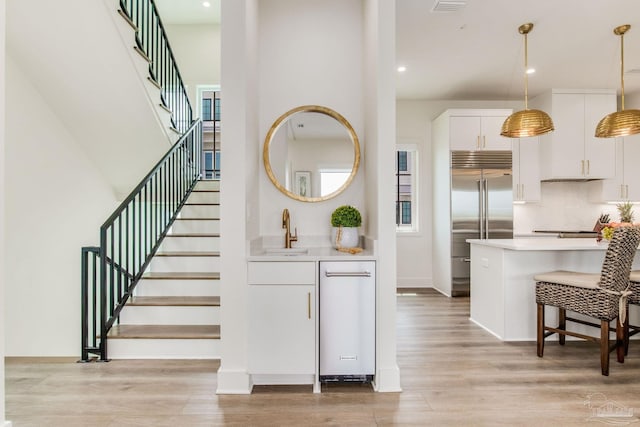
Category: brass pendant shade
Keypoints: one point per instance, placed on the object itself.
(525, 123)
(623, 122)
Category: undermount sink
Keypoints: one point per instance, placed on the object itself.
(286, 251)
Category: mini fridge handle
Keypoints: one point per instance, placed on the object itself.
(347, 274)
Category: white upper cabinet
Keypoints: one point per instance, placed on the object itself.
(626, 183)
(572, 151)
(477, 130)
(526, 170)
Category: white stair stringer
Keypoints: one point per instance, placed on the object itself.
(175, 310)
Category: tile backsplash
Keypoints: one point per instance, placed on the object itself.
(563, 206)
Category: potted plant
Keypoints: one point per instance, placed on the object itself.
(345, 221)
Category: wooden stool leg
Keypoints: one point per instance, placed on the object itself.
(562, 324)
(620, 341)
(626, 331)
(604, 347)
(540, 331)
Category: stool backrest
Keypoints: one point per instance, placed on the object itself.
(619, 257)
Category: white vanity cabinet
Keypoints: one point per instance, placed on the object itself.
(526, 169)
(572, 151)
(626, 183)
(282, 321)
(471, 129)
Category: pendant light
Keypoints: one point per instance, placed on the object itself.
(522, 124)
(623, 122)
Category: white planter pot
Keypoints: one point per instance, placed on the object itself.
(348, 237)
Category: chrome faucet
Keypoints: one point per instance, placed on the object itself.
(288, 238)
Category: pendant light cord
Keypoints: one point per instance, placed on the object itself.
(622, 71)
(526, 74)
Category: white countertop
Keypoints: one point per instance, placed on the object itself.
(312, 254)
(537, 244)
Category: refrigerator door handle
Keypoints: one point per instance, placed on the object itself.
(347, 274)
(481, 205)
(485, 212)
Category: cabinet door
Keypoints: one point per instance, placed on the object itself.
(567, 145)
(613, 189)
(282, 329)
(599, 152)
(631, 160)
(464, 133)
(490, 138)
(526, 170)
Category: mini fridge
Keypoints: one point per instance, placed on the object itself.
(347, 320)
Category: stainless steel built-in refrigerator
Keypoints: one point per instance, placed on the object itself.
(481, 207)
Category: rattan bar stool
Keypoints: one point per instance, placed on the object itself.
(634, 298)
(601, 296)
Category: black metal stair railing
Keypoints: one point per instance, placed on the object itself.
(151, 39)
(131, 236)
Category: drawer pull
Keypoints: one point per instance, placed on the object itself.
(309, 305)
(347, 274)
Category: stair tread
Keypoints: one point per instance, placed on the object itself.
(198, 219)
(202, 204)
(188, 253)
(190, 301)
(195, 190)
(193, 235)
(182, 276)
(165, 331)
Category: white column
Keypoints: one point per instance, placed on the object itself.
(380, 129)
(2, 216)
(238, 18)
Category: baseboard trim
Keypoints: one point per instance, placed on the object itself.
(387, 380)
(414, 282)
(233, 382)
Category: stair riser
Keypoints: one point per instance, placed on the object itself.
(208, 185)
(200, 211)
(190, 244)
(185, 264)
(164, 348)
(174, 288)
(170, 315)
(197, 197)
(190, 226)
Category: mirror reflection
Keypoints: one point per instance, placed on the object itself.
(311, 153)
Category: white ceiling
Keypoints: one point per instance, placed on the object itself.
(477, 52)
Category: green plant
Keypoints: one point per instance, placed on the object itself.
(626, 211)
(346, 216)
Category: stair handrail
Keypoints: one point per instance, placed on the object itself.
(152, 40)
(131, 236)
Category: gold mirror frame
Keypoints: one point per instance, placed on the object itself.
(311, 109)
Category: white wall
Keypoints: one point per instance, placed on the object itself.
(55, 203)
(197, 52)
(414, 117)
(303, 63)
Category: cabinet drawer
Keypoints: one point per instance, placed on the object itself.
(282, 273)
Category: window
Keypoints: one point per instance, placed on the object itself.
(406, 192)
(332, 180)
(206, 109)
(216, 109)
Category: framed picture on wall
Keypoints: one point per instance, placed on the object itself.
(302, 183)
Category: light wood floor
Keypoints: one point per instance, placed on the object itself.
(480, 381)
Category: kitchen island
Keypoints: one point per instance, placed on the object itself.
(502, 286)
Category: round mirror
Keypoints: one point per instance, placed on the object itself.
(311, 153)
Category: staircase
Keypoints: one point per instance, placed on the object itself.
(175, 310)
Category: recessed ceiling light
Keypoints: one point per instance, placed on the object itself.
(531, 70)
(206, 4)
(402, 69)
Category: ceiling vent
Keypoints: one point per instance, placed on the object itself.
(634, 71)
(448, 5)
